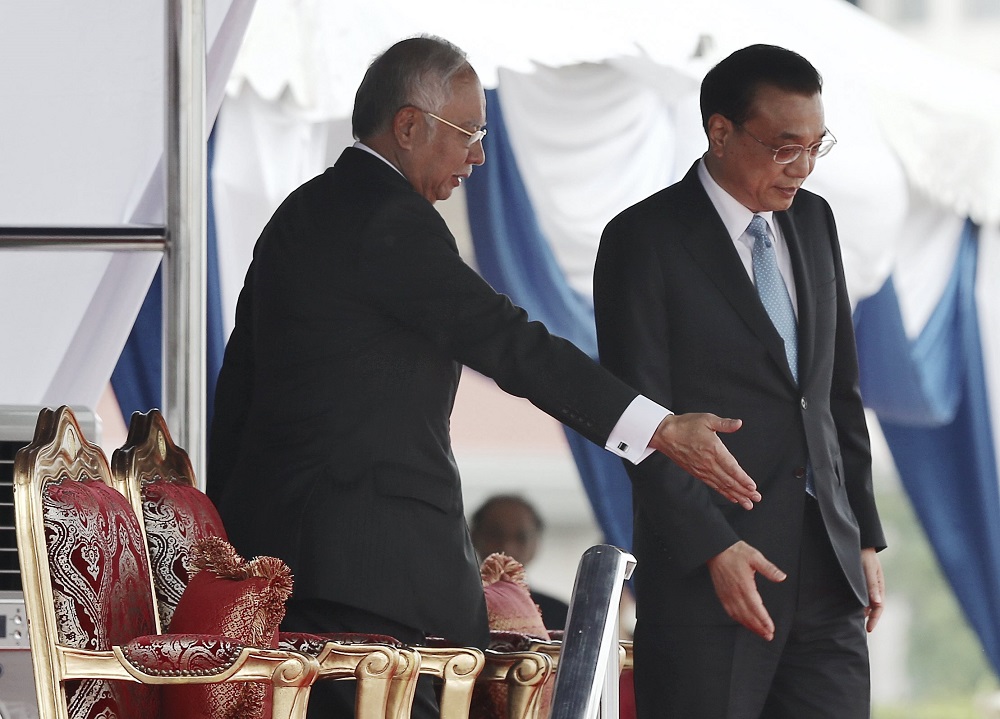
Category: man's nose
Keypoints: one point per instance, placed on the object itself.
(802, 166)
(477, 153)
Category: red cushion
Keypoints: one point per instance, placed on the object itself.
(509, 605)
(241, 600)
(510, 608)
(176, 517)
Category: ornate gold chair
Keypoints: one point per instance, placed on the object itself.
(95, 648)
(525, 673)
(157, 477)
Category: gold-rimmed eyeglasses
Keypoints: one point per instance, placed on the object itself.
(787, 154)
(474, 136)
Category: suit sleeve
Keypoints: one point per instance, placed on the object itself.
(848, 412)
(633, 329)
(411, 269)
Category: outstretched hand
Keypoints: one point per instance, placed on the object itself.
(733, 573)
(692, 442)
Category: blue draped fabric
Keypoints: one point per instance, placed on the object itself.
(138, 377)
(514, 257)
(930, 398)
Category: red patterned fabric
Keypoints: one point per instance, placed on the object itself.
(514, 619)
(182, 654)
(177, 516)
(100, 586)
(510, 641)
(313, 644)
(238, 599)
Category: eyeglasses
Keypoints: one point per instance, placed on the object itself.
(474, 137)
(787, 154)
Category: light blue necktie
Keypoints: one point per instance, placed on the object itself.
(773, 292)
(774, 295)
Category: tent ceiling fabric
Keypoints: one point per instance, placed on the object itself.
(940, 117)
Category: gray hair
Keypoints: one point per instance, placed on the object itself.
(417, 71)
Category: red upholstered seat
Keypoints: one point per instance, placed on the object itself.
(95, 648)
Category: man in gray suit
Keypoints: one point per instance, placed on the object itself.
(726, 292)
(330, 446)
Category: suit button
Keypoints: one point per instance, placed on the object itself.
(804, 402)
(800, 472)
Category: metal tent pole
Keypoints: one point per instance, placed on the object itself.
(185, 259)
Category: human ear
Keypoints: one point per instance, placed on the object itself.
(719, 129)
(405, 126)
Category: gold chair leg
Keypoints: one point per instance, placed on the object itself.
(404, 685)
(458, 669)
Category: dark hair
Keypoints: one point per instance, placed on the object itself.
(730, 87)
(417, 71)
(485, 507)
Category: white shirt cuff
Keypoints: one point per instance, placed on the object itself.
(630, 437)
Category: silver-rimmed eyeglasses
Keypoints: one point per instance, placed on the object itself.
(474, 137)
(787, 154)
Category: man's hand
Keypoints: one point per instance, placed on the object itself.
(733, 573)
(692, 442)
(876, 586)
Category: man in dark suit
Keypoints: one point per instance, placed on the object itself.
(748, 614)
(330, 445)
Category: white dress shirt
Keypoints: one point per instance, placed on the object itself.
(737, 218)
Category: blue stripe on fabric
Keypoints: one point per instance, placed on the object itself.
(515, 258)
(138, 377)
(930, 396)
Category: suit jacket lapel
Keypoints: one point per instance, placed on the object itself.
(794, 236)
(706, 239)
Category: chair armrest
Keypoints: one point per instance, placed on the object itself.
(183, 655)
(199, 659)
(341, 637)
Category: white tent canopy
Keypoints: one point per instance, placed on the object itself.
(918, 139)
(940, 116)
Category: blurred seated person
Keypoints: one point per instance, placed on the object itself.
(510, 524)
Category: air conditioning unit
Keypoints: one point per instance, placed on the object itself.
(17, 688)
